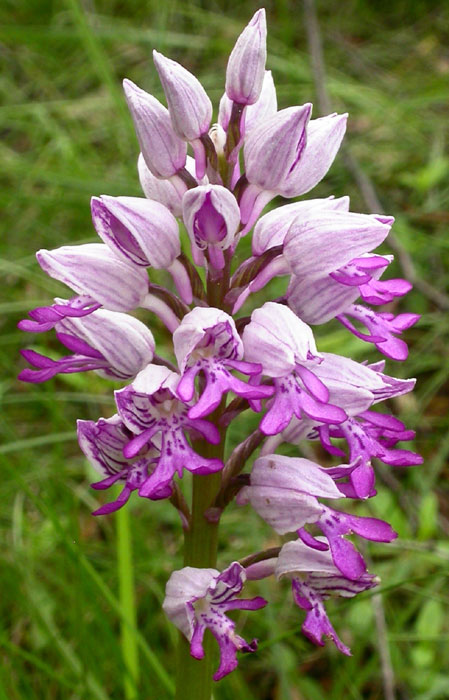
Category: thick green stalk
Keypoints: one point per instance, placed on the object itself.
(128, 605)
(193, 676)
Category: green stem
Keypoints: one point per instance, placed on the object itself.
(194, 677)
(128, 605)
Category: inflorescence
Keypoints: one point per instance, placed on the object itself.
(165, 412)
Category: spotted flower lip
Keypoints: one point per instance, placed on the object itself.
(315, 578)
(246, 64)
(207, 341)
(371, 435)
(164, 152)
(149, 407)
(113, 344)
(198, 599)
(382, 329)
(102, 442)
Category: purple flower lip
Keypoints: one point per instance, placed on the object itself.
(150, 408)
(207, 341)
(315, 578)
(197, 599)
(44, 318)
(382, 329)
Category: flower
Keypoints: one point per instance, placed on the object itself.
(198, 599)
(207, 341)
(113, 344)
(149, 407)
(99, 278)
(284, 491)
(102, 443)
(314, 579)
(286, 349)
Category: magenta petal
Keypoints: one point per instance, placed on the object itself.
(206, 428)
(115, 505)
(278, 415)
(135, 445)
(371, 528)
(345, 556)
(323, 412)
(78, 346)
(186, 386)
(312, 542)
(313, 384)
(317, 624)
(196, 643)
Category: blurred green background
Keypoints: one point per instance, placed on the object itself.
(66, 136)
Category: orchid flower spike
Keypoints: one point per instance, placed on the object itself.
(155, 305)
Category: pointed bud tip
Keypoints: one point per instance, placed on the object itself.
(158, 58)
(131, 89)
(259, 17)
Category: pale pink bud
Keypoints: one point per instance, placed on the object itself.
(265, 107)
(168, 192)
(189, 106)
(138, 230)
(273, 149)
(246, 64)
(164, 152)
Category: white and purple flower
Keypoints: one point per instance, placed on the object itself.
(198, 599)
